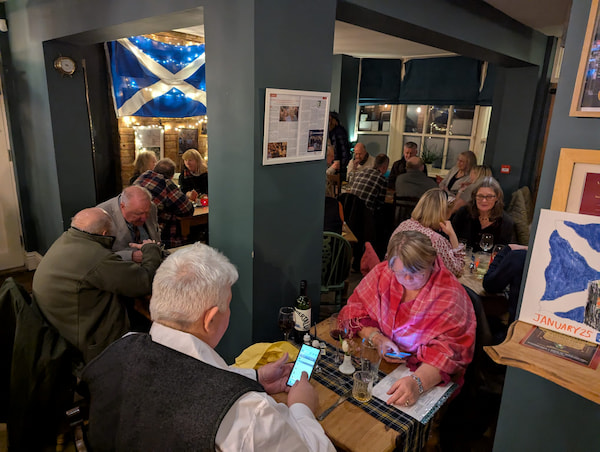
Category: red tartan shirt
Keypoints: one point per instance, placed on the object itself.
(437, 327)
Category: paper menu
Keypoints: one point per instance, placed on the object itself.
(429, 402)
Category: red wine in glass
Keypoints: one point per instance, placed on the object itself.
(286, 321)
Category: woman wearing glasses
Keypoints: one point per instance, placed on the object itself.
(484, 214)
(412, 303)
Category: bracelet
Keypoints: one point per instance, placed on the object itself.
(419, 383)
(372, 335)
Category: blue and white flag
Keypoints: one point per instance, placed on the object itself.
(151, 78)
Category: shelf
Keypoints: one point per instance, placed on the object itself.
(577, 378)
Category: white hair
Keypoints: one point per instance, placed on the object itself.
(189, 282)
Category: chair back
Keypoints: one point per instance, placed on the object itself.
(334, 185)
(335, 261)
(404, 206)
(359, 217)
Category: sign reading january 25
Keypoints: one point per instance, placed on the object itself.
(562, 291)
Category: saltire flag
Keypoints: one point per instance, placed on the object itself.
(151, 78)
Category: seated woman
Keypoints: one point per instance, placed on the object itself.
(193, 180)
(459, 174)
(429, 217)
(484, 214)
(464, 194)
(412, 303)
(145, 161)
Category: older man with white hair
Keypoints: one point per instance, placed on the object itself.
(171, 390)
(135, 218)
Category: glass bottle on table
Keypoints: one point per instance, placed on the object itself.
(302, 314)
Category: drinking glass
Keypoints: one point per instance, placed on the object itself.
(362, 389)
(286, 321)
(369, 357)
(487, 242)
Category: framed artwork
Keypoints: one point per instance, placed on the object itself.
(150, 138)
(577, 182)
(188, 139)
(586, 97)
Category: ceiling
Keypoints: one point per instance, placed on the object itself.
(549, 17)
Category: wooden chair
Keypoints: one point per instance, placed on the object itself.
(335, 182)
(335, 265)
(404, 206)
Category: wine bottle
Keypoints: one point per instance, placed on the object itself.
(302, 314)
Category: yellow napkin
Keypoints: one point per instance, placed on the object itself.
(261, 353)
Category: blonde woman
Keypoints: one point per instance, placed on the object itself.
(193, 180)
(145, 161)
(459, 174)
(429, 217)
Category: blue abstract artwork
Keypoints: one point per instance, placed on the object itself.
(564, 265)
(565, 259)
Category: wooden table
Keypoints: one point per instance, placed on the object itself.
(494, 304)
(200, 217)
(348, 426)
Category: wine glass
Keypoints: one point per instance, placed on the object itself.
(286, 321)
(487, 242)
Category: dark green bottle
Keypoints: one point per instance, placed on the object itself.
(302, 314)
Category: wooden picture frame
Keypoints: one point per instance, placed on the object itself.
(586, 96)
(567, 161)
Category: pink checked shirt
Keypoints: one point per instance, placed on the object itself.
(454, 258)
(437, 327)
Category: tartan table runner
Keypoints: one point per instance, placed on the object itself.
(413, 434)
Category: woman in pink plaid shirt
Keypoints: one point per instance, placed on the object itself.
(412, 303)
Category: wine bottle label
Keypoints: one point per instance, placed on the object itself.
(302, 319)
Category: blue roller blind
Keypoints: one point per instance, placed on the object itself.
(380, 81)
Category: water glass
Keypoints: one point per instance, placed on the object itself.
(362, 389)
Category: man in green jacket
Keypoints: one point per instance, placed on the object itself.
(79, 283)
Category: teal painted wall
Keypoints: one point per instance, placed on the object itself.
(536, 414)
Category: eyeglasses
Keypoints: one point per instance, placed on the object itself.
(404, 274)
(486, 197)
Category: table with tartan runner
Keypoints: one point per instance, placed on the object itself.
(410, 434)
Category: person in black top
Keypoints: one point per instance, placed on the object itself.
(339, 139)
(484, 214)
(193, 180)
(144, 161)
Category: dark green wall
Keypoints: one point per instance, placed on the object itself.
(535, 414)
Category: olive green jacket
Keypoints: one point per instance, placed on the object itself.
(79, 283)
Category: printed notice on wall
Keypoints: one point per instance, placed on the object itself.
(295, 126)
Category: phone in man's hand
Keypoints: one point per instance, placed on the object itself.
(307, 358)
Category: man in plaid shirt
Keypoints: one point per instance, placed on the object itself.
(170, 201)
(370, 184)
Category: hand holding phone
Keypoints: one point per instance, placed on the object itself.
(307, 358)
(399, 355)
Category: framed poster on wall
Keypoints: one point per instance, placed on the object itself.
(295, 127)
(577, 182)
(586, 97)
(150, 138)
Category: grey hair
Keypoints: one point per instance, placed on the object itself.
(414, 250)
(134, 191)
(189, 282)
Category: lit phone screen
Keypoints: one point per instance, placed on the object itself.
(304, 363)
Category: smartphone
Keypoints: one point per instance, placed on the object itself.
(399, 355)
(307, 358)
